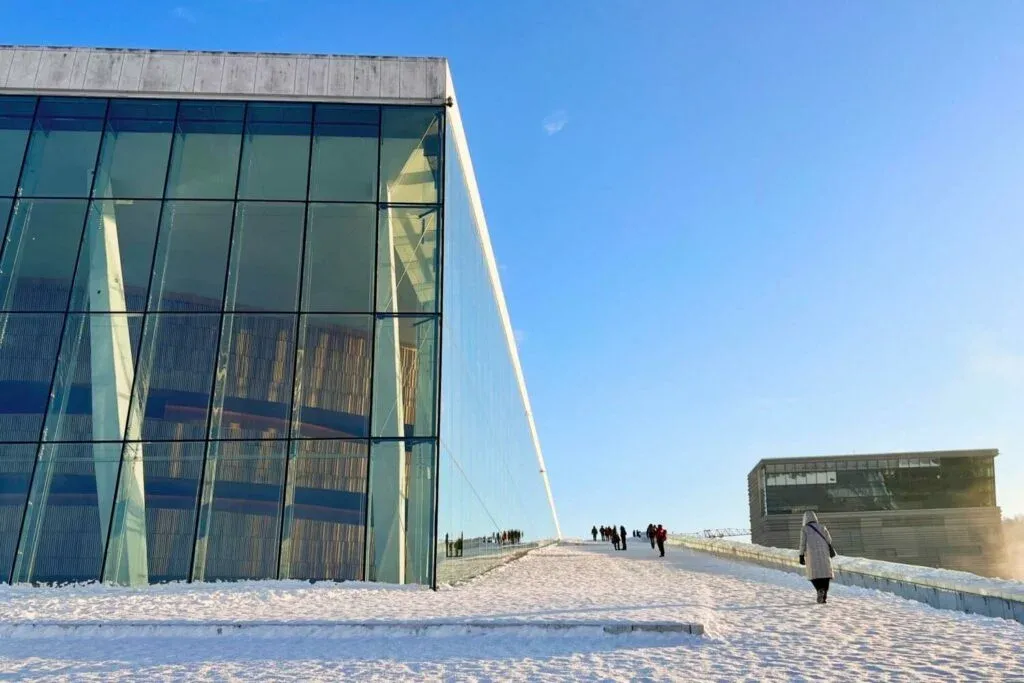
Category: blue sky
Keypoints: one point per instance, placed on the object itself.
(727, 231)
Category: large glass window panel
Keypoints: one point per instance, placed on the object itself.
(117, 256)
(324, 513)
(154, 522)
(16, 463)
(207, 144)
(62, 151)
(344, 162)
(266, 249)
(410, 155)
(174, 377)
(15, 124)
(275, 155)
(68, 513)
(407, 260)
(135, 150)
(401, 512)
(252, 399)
(338, 273)
(40, 252)
(28, 353)
(93, 381)
(5, 213)
(405, 377)
(191, 257)
(332, 383)
(240, 514)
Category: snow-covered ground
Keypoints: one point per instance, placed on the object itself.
(762, 625)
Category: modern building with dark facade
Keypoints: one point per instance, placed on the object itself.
(251, 324)
(936, 509)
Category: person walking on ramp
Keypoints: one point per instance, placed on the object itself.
(622, 529)
(593, 532)
(660, 535)
(816, 553)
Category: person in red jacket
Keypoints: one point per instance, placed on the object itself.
(660, 534)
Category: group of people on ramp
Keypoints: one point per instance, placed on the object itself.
(656, 534)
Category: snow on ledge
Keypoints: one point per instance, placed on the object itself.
(946, 579)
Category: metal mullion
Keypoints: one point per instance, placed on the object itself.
(63, 325)
(145, 313)
(439, 317)
(373, 346)
(298, 330)
(220, 334)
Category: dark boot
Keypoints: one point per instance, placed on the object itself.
(821, 597)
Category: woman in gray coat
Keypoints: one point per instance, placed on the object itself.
(816, 553)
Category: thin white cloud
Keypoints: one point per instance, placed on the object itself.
(555, 122)
(519, 335)
(183, 13)
(996, 363)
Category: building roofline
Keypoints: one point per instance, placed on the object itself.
(200, 74)
(963, 453)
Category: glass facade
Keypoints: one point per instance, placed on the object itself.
(228, 350)
(896, 483)
(219, 340)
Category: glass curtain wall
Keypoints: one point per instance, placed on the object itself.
(219, 330)
(492, 499)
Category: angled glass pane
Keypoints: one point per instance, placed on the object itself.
(275, 154)
(16, 463)
(154, 521)
(407, 260)
(207, 144)
(405, 377)
(266, 250)
(344, 163)
(410, 155)
(324, 513)
(174, 377)
(95, 371)
(61, 156)
(332, 382)
(135, 150)
(5, 213)
(253, 395)
(15, 125)
(191, 257)
(338, 274)
(68, 513)
(28, 353)
(240, 513)
(401, 511)
(117, 256)
(40, 252)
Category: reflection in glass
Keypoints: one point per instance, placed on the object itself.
(39, 255)
(68, 513)
(135, 150)
(265, 252)
(240, 513)
(62, 150)
(338, 274)
(275, 154)
(154, 518)
(15, 124)
(252, 398)
(16, 463)
(410, 155)
(191, 257)
(407, 253)
(207, 143)
(325, 502)
(344, 163)
(405, 377)
(28, 353)
(117, 256)
(95, 371)
(401, 509)
(332, 384)
(171, 397)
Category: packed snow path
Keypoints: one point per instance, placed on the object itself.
(761, 625)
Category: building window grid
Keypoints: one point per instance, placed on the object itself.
(291, 440)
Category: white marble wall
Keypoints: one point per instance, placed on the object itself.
(143, 72)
